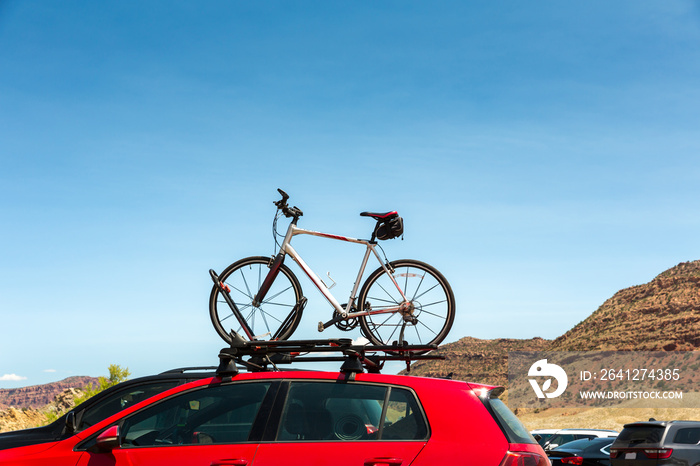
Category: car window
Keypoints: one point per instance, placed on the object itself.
(561, 439)
(119, 400)
(640, 435)
(213, 415)
(690, 436)
(403, 420)
(573, 445)
(543, 438)
(350, 412)
(514, 430)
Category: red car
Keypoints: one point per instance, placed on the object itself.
(302, 418)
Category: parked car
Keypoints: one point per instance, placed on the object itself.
(542, 435)
(564, 436)
(302, 417)
(102, 406)
(583, 452)
(657, 443)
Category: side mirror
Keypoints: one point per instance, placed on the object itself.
(108, 440)
(70, 423)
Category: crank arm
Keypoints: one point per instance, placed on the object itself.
(333, 321)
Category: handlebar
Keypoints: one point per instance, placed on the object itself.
(289, 212)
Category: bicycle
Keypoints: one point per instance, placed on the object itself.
(401, 299)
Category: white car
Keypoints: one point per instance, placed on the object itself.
(542, 435)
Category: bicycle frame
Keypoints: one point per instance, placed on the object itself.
(287, 249)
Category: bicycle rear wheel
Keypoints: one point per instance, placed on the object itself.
(427, 320)
(275, 318)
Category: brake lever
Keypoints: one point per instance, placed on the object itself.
(282, 203)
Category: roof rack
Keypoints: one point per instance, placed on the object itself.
(267, 355)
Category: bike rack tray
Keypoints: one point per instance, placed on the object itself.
(356, 358)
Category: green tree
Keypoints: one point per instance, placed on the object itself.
(117, 374)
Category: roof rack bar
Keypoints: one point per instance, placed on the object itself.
(355, 358)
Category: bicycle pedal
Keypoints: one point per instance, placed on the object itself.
(321, 328)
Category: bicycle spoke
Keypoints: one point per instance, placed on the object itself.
(426, 291)
(264, 313)
(439, 316)
(384, 324)
(387, 293)
(276, 295)
(392, 302)
(241, 307)
(418, 287)
(420, 340)
(267, 326)
(233, 287)
(420, 322)
(246, 284)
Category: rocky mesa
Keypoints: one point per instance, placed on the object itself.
(38, 396)
(662, 315)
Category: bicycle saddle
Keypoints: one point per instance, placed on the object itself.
(379, 216)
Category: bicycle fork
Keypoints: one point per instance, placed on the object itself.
(259, 298)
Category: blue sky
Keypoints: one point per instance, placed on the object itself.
(543, 155)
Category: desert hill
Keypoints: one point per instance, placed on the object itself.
(477, 360)
(662, 315)
(37, 396)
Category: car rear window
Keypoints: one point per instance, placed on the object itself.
(640, 435)
(513, 429)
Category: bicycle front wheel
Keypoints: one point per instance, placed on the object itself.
(425, 316)
(275, 318)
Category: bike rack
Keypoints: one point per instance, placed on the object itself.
(356, 358)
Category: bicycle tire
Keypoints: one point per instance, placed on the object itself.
(276, 318)
(429, 293)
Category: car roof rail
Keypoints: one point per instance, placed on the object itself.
(182, 370)
(355, 358)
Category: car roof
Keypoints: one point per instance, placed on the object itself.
(661, 423)
(585, 442)
(586, 431)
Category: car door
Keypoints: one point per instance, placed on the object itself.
(213, 425)
(345, 423)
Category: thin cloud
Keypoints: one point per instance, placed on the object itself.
(12, 377)
(49, 370)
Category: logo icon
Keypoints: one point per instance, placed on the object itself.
(542, 368)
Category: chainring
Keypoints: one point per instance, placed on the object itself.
(347, 324)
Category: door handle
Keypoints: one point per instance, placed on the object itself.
(230, 462)
(384, 462)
